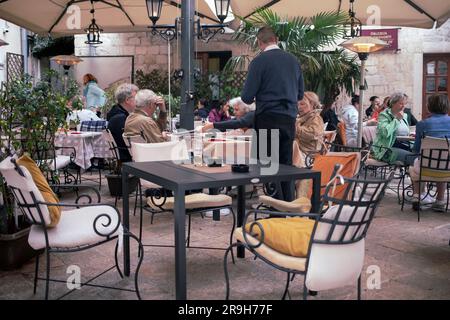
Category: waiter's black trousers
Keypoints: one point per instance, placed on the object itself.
(286, 127)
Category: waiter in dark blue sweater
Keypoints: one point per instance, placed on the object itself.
(275, 82)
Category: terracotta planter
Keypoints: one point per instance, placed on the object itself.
(15, 250)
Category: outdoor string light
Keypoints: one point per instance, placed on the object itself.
(93, 31)
(203, 32)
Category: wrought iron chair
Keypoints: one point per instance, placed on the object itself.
(115, 163)
(336, 246)
(349, 164)
(433, 166)
(96, 163)
(84, 227)
(194, 203)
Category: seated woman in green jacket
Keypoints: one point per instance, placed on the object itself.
(393, 122)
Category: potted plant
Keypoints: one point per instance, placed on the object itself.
(30, 115)
(115, 181)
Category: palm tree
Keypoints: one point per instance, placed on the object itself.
(326, 72)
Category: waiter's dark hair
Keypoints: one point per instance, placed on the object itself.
(266, 35)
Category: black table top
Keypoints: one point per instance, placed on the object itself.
(175, 177)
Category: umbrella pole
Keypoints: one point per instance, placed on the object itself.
(363, 57)
(168, 79)
(187, 62)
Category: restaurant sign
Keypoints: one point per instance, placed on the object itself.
(388, 35)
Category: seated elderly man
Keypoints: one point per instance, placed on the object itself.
(117, 116)
(141, 120)
(244, 113)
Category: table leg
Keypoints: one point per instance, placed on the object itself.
(316, 193)
(240, 217)
(216, 213)
(126, 223)
(180, 245)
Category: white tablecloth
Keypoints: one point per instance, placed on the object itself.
(369, 133)
(87, 145)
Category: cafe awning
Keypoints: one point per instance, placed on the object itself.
(57, 18)
(404, 13)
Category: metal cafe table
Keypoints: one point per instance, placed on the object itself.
(181, 178)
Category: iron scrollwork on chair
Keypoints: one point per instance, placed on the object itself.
(332, 253)
(76, 230)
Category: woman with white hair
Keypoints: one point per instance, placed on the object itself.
(244, 113)
(393, 122)
(141, 120)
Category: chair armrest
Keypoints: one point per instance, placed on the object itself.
(98, 222)
(256, 223)
(67, 186)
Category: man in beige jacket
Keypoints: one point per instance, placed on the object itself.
(141, 120)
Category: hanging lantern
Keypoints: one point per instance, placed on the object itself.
(222, 8)
(93, 31)
(353, 25)
(154, 10)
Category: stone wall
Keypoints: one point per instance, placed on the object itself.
(151, 52)
(403, 71)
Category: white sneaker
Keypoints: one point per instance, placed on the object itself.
(426, 199)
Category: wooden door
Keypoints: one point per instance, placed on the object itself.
(436, 74)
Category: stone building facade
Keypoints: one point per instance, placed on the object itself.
(387, 72)
(152, 52)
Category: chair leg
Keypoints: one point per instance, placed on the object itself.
(418, 208)
(138, 193)
(100, 179)
(116, 260)
(286, 289)
(232, 232)
(138, 267)
(305, 290)
(36, 272)
(225, 269)
(359, 287)
(47, 274)
(403, 192)
(188, 240)
(402, 176)
(141, 218)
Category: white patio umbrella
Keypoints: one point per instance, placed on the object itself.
(406, 13)
(53, 16)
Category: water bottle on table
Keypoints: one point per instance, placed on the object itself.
(198, 147)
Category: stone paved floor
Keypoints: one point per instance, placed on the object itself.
(413, 258)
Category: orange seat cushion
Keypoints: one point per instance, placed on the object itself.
(325, 164)
(43, 186)
(289, 236)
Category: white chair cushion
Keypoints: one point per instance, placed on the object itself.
(333, 266)
(61, 162)
(149, 185)
(76, 228)
(282, 260)
(196, 201)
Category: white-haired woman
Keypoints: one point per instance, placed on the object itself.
(393, 122)
(141, 120)
(244, 113)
